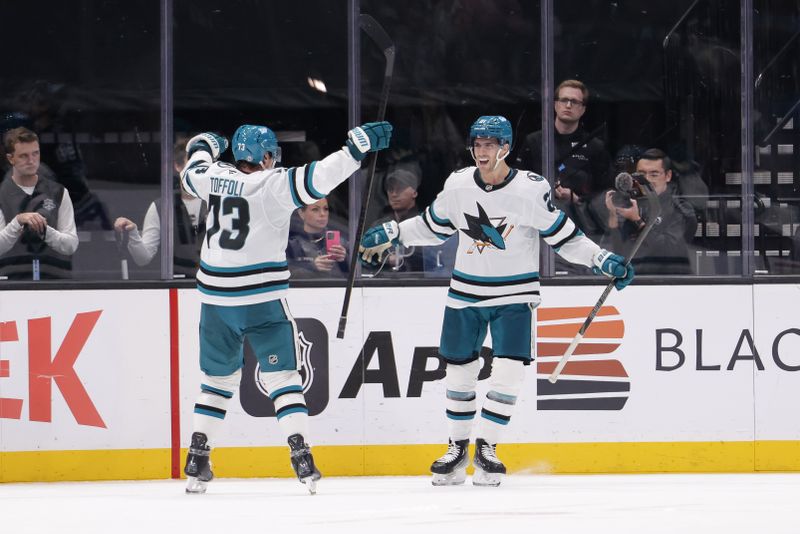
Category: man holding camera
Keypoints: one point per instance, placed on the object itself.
(37, 222)
(665, 250)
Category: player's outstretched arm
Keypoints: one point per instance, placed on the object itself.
(614, 266)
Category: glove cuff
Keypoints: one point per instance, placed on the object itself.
(357, 155)
(392, 230)
(599, 257)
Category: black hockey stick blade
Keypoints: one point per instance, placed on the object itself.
(379, 36)
(655, 218)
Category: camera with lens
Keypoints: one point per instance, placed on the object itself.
(628, 186)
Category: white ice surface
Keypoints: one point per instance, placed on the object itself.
(555, 504)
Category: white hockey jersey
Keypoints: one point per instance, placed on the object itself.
(243, 259)
(498, 230)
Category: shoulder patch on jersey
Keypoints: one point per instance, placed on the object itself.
(535, 177)
(461, 170)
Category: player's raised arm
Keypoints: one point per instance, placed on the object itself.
(312, 182)
(202, 150)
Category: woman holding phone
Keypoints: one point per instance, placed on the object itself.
(316, 251)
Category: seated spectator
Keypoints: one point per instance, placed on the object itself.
(189, 226)
(401, 191)
(665, 250)
(315, 250)
(37, 222)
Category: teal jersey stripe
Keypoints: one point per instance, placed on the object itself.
(298, 409)
(309, 184)
(510, 278)
(460, 417)
(209, 413)
(292, 187)
(494, 419)
(243, 293)
(552, 228)
(191, 186)
(245, 268)
(287, 389)
(438, 220)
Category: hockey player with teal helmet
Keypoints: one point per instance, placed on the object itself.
(251, 143)
(492, 127)
(495, 126)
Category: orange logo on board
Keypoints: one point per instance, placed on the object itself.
(592, 379)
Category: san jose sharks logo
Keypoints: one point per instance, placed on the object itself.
(486, 231)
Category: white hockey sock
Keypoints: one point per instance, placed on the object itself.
(285, 388)
(460, 381)
(504, 386)
(211, 405)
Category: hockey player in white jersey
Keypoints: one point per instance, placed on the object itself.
(244, 277)
(498, 213)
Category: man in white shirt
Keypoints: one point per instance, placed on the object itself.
(37, 222)
(189, 227)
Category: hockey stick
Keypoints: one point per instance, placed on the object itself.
(379, 36)
(655, 212)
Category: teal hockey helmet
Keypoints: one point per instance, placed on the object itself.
(251, 143)
(495, 126)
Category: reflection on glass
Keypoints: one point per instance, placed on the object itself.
(665, 76)
(478, 59)
(291, 77)
(776, 127)
(95, 113)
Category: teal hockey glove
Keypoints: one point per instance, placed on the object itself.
(207, 142)
(369, 137)
(377, 241)
(613, 265)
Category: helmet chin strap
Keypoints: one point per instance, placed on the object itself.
(500, 158)
(264, 167)
(497, 162)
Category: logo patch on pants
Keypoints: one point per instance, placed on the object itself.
(313, 348)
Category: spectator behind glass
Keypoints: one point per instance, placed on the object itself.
(312, 251)
(41, 105)
(666, 249)
(37, 223)
(188, 231)
(582, 163)
(401, 192)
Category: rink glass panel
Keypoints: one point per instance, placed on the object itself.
(667, 75)
(776, 135)
(455, 62)
(279, 64)
(660, 74)
(85, 77)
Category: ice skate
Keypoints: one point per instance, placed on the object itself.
(489, 470)
(451, 469)
(303, 463)
(198, 464)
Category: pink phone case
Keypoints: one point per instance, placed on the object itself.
(332, 237)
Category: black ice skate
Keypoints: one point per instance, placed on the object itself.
(303, 463)
(198, 464)
(489, 470)
(451, 469)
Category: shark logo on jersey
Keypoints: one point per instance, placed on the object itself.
(485, 232)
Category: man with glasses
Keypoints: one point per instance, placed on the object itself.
(666, 248)
(582, 164)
